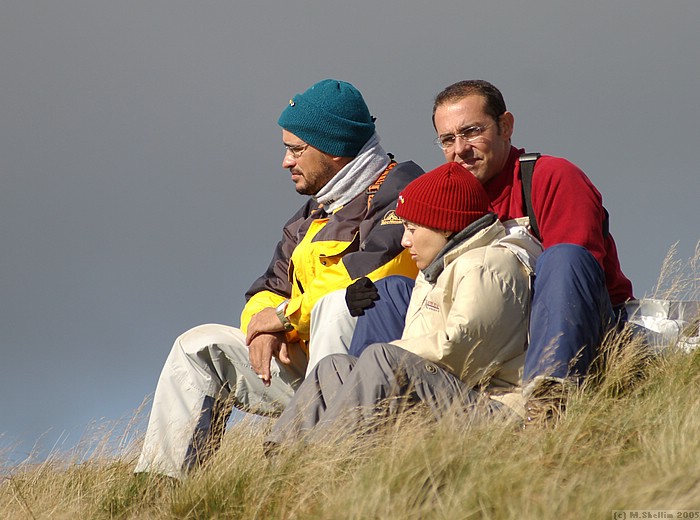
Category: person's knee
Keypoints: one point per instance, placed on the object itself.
(338, 363)
(396, 289)
(375, 350)
(568, 257)
(333, 360)
(330, 304)
(201, 337)
(333, 366)
(569, 272)
(382, 357)
(394, 280)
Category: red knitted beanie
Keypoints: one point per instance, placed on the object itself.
(447, 198)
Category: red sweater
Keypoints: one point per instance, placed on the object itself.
(568, 209)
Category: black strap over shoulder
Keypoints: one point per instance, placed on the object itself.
(527, 169)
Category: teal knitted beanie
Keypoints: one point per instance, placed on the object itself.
(331, 116)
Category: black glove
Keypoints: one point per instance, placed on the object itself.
(360, 295)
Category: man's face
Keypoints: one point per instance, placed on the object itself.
(311, 168)
(485, 151)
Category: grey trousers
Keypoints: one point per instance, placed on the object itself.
(344, 394)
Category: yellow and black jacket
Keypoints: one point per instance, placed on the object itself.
(321, 253)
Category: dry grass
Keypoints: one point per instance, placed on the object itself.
(679, 279)
(630, 439)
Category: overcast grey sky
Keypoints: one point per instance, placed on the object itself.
(140, 159)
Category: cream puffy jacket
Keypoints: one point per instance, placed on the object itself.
(473, 318)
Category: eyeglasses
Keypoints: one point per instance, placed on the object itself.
(295, 149)
(469, 134)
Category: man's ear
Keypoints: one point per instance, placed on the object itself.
(506, 124)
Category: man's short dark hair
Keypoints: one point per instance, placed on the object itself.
(495, 104)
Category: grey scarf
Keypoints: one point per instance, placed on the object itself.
(355, 177)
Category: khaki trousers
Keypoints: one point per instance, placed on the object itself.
(206, 373)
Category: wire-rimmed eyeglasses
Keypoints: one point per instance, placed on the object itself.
(295, 149)
(469, 134)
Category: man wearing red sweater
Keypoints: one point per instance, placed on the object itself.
(579, 286)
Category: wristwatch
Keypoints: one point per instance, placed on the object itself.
(288, 327)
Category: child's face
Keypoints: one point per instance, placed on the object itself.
(423, 243)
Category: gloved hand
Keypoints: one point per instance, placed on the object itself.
(360, 295)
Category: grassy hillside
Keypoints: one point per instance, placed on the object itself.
(630, 439)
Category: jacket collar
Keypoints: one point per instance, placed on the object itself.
(470, 234)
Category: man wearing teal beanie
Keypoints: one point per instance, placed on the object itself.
(346, 230)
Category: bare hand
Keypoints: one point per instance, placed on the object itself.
(262, 348)
(265, 321)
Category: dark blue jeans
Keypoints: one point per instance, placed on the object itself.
(383, 322)
(571, 312)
